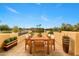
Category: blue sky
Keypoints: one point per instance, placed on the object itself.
(30, 14)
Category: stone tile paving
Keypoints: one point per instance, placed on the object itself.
(19, 50)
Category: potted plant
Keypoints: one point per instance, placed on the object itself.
(14, 38)
(9, 43)
(31, 34)
(40, 31)
(39, 35)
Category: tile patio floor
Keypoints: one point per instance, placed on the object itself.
(19, 50)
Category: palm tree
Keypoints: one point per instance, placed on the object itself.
(38, 26)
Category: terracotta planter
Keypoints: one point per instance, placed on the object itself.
(6, 47)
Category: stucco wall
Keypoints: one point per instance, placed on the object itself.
(77, 44)
(58, 41)
(72, 35)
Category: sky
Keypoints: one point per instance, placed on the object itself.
(28, 15)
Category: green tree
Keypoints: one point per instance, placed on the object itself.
(20, 29)
(56, 29)
(4, 28)
(76, 27)
(15, 29)
(66, 27)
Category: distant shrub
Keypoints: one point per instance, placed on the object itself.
(15, 29)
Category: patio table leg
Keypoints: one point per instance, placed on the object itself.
(31, 47)
(47, 47)
(25, 45)
(54, 43)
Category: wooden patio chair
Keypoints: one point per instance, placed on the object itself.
(38, 46)
(52, 43)
(27, 42)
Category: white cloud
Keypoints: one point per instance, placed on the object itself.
(12, 10)
(44, 18)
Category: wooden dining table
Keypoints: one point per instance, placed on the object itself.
(35, 37)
